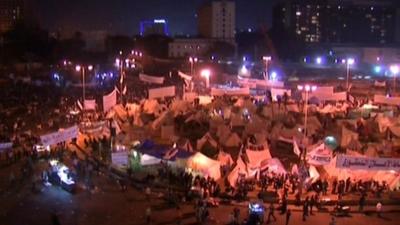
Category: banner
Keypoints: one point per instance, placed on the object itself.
(319, 155)
(381, 99)
(60, 136)
(109, 100)
(380, 84)
(119, 158)
(90, 104)
(364, 163)
(230, 91)
(6, 145)
(151, 79)
(162, 92)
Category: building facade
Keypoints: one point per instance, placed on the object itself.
(11, 11)
(334, 21)
(154, 27)
(216, 19)
(185, 47)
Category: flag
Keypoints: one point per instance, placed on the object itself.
(79, 104)
(296, 149)
(125, 90)
(121, 80)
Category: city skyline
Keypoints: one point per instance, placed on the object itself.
(124, 17)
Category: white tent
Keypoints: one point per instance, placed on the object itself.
(347, 137)
(239, 169)
(204, 165)
(256, 154)
(225, 159)
(207, 138)
(274, 165)
(319, 155)
(232, 141)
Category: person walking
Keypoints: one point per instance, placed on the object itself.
(379, 209)
(271, 213)
(288, 214)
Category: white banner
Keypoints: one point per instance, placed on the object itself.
(319, 155)
(109, 100)
(119, 158)
(184, 76)
(364, 163)
(90, 104)
(91, 128)
(230, 91)
(162, 92)
(151, 79)
(6, 145)
(381, 99)
(380, 84)
(60, 136)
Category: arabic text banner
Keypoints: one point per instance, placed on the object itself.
(367, 163)
(60, 136)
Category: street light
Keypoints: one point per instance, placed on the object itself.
(318, 60)
(307, 89)
(349, 62)
(79, 68)
(394, 69)
(267, 60)
(192, 60)
(206, 73)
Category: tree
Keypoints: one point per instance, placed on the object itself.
(221, 49)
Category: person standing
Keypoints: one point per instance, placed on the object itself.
(361, 203)
(379, 209)
(148, 215)
(305, 209)
(271, 213)
(312, 203)
(288, 214)
(333, 221)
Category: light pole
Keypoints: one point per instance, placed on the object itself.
(267, 60)
(307, 89)
(349, 62)
(192, 61)
(394, 69)
(79, 68)
(206, 73)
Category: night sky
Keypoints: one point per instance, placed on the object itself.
(123, 16)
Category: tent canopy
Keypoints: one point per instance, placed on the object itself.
(204, 165)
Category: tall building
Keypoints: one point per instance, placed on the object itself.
(398, 26)
(335, 21)
(156, 26)
(11, 11)
(216, 19)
